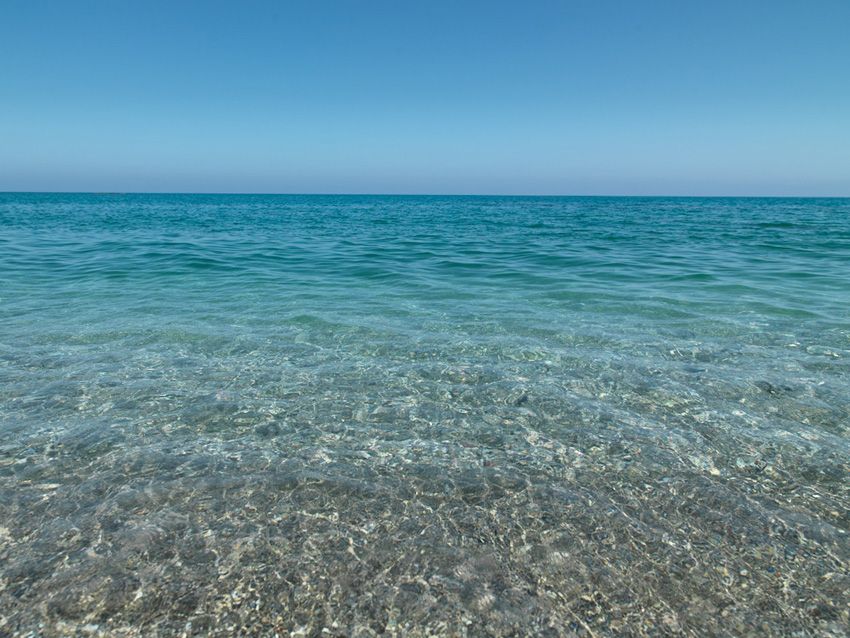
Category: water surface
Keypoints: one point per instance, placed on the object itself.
(423, 415)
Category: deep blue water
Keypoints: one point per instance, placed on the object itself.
(448, 414)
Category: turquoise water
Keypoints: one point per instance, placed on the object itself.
(458, 415)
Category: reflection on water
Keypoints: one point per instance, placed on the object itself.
(355, 416)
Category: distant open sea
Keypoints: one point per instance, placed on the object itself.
(364, 415)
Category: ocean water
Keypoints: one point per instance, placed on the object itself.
(375, 415)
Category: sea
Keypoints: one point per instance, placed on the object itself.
(287, 415)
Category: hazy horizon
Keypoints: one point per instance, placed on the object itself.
(366, 194)
(555, 98)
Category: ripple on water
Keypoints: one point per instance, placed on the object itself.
(365, 415)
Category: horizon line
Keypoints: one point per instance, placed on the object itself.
(407, 194)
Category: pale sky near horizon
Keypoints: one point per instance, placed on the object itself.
(538, 97)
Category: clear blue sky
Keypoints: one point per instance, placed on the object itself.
(433, 96)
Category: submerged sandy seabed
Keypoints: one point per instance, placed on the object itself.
(510, 499)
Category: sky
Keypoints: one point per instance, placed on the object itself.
(393, 96)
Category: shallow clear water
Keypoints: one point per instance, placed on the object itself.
(455, 415)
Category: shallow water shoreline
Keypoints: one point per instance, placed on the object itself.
(424, 416)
